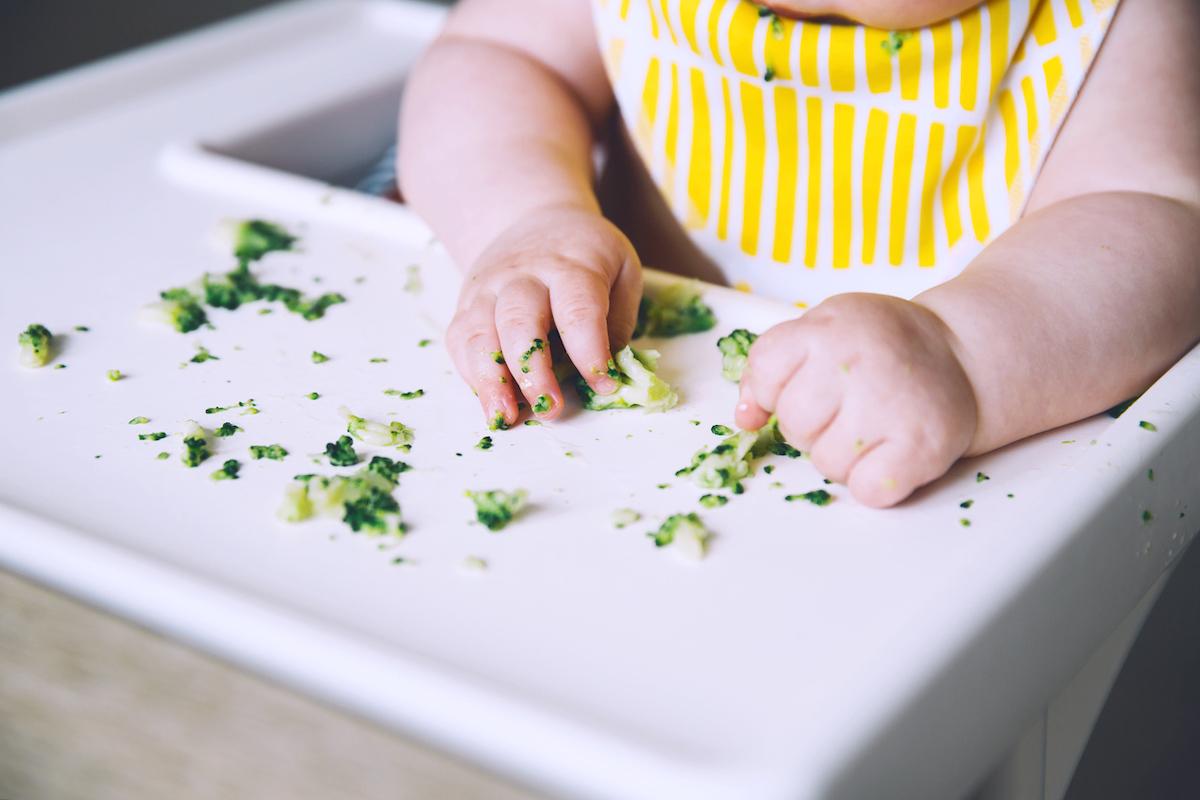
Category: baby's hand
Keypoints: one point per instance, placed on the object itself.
(560, 267)
(870, 387)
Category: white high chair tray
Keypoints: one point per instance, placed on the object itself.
(818, 651)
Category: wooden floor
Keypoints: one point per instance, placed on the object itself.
(93, 708)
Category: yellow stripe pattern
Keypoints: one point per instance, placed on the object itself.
(852, 151)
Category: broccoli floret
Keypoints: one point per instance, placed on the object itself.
(726, 464)
(178, 308)
(818, 497)
(673, 310)
(496, 508)
(195, 445)
(254, 238)
(686, 532)
(227, 429)
(275, 452)
(637, 385)
(624, 517)
(341, 453)
(734, 349)
(393, 434)
(363, 500)
(228, 471)
(36, 343)
(319, 358)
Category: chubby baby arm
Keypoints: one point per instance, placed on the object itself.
(496, 132)
(1081, 304)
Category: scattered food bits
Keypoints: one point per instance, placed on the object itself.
(966, 523)
(498, 423)
(1147, 517)
(966, 504)
(721, 430)
(1149, 426)
(637, 385)
(152, 437)
(484, 444)
(981, 477)
(393, 434)
(818, 497)
(673, 310)
(228, 471)
(424, 342)
(474, 564)
(495, 508)
(532, 422)
(202, 355)
(82, 328)
(114, 375)
(686, 533)
(313, 396)
(1150, 474)
(195, 445)
(341, 453)
(543, 404)
(274, 452)
(378, 360)
(624, 517)
(227, 429)
(735, 349)
(497, 357)
(36, 343)
(412, 395)
(713, 500)
(139, 420)
(163, 456)
(318, 357)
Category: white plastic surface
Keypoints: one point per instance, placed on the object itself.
(835, 651)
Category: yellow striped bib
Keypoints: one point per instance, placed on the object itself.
(812, 158)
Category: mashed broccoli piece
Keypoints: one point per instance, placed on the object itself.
(638, 385)
(275, 452)
(673, 310)
(818, 497)
(734, 349)
(254, 238)
(363, 500)
(228, 471)
(686, 533)
(624, 517)
(726, 464)
(393, 434)
(341, 453)
(195, 445)
(178, 308)
(227, 429)
(496, 508)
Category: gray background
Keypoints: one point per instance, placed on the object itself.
(1147, 742)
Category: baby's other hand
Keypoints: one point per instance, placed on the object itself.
(560, 268)
(870, 387)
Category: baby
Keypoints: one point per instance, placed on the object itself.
(977, 264)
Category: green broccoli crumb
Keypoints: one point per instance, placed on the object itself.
(713, 500)
(662, 486)
(378, 360)
(484, 444)
(313, 396)
(721, 430)
(894, 41)
(495, 508)
(60, 366)
(254, 238)
(638, 385)
(735, 349)
(818, 497)
(227, 429)
(966, 523)
(151, 437)
(695, 422)
(179, 308)
(769, 74)
(82, 328)
(195, 445)
(1147, 517)
(319, 357)
(966, 504)
(341, 453)
(424, 342)
(498, 423)
(202, 355)
(532, 422)
(542, 404)
(139, 420)
(686, 532)
(623, 517)
(497, 357)
(1149, 426)
(163, 456)
(768, 469)
(228, 471)
(114, 375)
(536, 346)
(672, 311)
(414, 394)
(274, 452)
(980, 477)
(36, 344)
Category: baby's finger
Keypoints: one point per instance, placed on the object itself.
(623, 302)
(523, 322)
(808, 404)
(886, 475)
(772, 361)
(475, 350)
(838, 449)
(748, 414)
(580, 306)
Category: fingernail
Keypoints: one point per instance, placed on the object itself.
(606, 385)
(743, 407)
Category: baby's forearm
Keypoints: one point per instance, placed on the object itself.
(1078, 306)
(488, 134)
